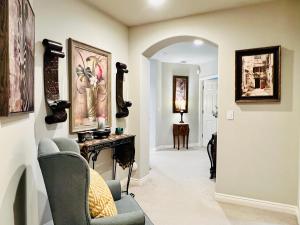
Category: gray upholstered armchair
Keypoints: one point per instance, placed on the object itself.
(66, 176)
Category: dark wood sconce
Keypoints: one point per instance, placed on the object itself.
(122, 106)
(53, 51)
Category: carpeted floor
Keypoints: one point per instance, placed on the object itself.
(178, 192)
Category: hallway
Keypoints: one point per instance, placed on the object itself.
(178, 192)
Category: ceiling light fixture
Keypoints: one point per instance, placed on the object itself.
(198, 42)
(156, 2)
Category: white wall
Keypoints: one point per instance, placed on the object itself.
(209, 68)
(155, 101)
(165, 118)
(19, 135)
(258, 151)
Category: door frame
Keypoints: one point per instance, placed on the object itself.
(201, 98)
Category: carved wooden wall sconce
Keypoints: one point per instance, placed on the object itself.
(122, 106)
(53, 51)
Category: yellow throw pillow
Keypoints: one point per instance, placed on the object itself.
(101, 202)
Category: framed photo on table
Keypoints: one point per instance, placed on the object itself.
(258, 75)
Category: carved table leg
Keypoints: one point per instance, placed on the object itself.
(94, 156)
(187, 140)
(178, 141)
(114, 170)
(129, 177)
(174, 140)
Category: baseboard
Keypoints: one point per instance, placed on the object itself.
(298, 215)
(162, 147)
(255, 203)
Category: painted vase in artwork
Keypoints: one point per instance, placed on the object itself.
(91, 104)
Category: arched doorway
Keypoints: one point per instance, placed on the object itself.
(141, 125)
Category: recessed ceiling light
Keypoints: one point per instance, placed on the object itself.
(156, 2)
(198, 42)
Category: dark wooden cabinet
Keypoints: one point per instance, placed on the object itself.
(181, 129)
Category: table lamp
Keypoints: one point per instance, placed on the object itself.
(182, 105)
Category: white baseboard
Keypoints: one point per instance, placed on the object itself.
(162, 147)
(255, 203)
(298, 215)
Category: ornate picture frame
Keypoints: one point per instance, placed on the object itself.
(258, 75)
(89, 86)
(180, 94)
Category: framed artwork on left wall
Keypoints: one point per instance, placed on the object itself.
(17, 40)
(89, 85)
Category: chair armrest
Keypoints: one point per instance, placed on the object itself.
(132, 218)
(115, 188)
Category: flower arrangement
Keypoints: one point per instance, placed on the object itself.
(91, 70)
(91, 76)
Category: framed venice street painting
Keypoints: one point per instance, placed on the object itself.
(258, 75)
(90, 86)
(17, 40)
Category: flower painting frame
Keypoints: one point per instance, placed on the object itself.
(180, 94)
(258, 75)
(89, 86)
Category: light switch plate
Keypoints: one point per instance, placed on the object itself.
(230, 115)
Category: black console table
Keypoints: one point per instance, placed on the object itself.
(212, 153)
(123, 152)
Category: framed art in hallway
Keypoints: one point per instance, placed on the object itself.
(17, 49)
(258, 75)
(90, 86)
(180, 94)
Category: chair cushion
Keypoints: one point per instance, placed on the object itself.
(67, 145)
(47, 147)
(101, 203)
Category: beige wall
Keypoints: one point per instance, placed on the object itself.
(258, 151)
(19, 135)
(165, 118)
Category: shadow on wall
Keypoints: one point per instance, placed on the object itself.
(8, 121)
(14, 205)
(44, 209)
(286, 103)
(19, 207)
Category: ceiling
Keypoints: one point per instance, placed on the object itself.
(137, 12)
(187, 52)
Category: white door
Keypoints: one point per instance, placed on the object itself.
(210, 99)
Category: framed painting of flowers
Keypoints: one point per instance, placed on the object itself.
(90, 86)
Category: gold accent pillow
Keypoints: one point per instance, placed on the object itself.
(101, 202)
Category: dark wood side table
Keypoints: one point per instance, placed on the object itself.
(181, 129)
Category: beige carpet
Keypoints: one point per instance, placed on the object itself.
(178, 192)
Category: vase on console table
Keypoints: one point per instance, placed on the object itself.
(91, 104)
